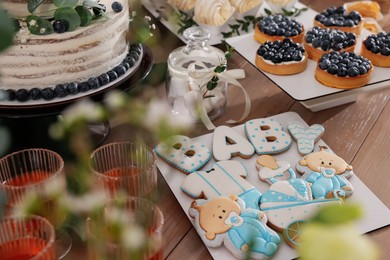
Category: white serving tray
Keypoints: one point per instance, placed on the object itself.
(376, 215)
(304, 86)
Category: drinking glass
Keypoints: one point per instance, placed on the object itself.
(27, 238)
(125, 168)
(35, 171)
(143, 221)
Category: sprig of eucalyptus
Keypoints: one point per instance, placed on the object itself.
(70, 11)
(6, 30)
(293, 13)
(213, 83)
(185, 22)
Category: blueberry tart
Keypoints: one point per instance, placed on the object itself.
(319, 41)
(339, 18)
(281, 57)
(376, 48)
(278, 27)
(344, 70)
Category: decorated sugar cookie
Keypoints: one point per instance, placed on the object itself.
(183, 153)
(227, 143)
(327, 172)
(226, 220)
(271, 170)
(267, 136)
(305, 136)
(224, 178)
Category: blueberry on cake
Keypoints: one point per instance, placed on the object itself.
(319, 41)
(376, 48)
(53, 57)
(339, 18)
(281, 57)
(278, 27)
(344, 70)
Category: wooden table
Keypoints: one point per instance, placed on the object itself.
(358, 132)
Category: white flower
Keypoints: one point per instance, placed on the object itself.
(54, 187)
(115, 99)
(133, 237)
(86, 203)
(84, 109)
(158, 112)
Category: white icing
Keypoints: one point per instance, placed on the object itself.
(267, 136)
(305, 136)
(286, 188)
(265, 172)
(183, 5)
(234, 219)
(70, 56)
(223, 150)
(243, 6)
(213, 12)
(226, 178)
(189, 156)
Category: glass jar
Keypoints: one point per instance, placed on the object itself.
(182, 89)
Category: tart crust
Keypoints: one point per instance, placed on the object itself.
(376, 59)
(262, 37)
(342, 82)
(315, 53)
(282, 68)
(357, 29)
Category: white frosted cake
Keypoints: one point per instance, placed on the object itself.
(70, 57)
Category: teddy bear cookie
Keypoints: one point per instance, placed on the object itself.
(224, 178)
(278, 27)
(319, 41)
(328, 174)
(376, 48)
(281, 57)
(226, 220)
(271, 170)
(267, 136)
(305, 136)
(227, 143)
(345, 70)
(339, 18)
(183, 153)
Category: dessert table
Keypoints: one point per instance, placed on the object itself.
(359, 132)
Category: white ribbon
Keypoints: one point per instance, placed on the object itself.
(229, 76)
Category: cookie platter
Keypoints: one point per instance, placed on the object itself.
(377, 215)
(6, 104)
(303, 86)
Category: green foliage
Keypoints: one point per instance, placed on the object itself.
(6, 30)
(85, 15)
(32, 5)
(65, 3)
(338, 214)
(70, 15)
(185, 22)
(38, 26)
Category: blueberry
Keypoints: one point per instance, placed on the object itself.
(332, 69)
(340, 10)
(297, 56)
(60, 26)
(353, 72)
(324, 64)
(120, 70)
(11, 94)
(316, 42)
(126, 65)
(309, 38)
(61, 90)
(93, 83)
(35, 94)
(362, 70)
(117, 7)
(280, 31)
(98, 10)
(337, 47)
(83, 87)
(72, 88)
(325, 45)
(277, 58)
(349, 23)
(131, 60)
(375, 49)
(134, 55)
(48, 94)
(112, 75)
(342, 72)
(104, 79)
(21, 95)
(385, 51)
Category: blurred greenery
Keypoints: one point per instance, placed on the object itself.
(6, 30)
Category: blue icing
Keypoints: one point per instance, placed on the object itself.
(252, 198)
(192, 146)
(276, 196)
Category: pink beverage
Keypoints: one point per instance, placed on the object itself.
(22, 249)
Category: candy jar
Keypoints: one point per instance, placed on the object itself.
(190, 69)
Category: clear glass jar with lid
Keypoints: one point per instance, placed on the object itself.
(183, 90)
